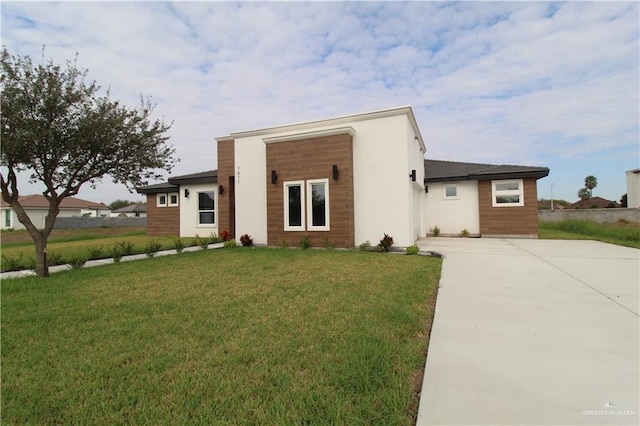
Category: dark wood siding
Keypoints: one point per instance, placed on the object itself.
(508, 220)
(162, 221)
(226, 173)
(312, 159)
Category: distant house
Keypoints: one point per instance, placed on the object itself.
(132, 210)
(346, 180)
(593, 203)
(633, 188)
(37, 207)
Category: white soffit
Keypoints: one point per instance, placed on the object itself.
(310, 135)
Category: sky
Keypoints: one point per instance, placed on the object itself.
(553, 84)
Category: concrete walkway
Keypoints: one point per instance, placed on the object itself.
(535, 332)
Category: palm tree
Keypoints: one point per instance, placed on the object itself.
(584, 194)
(590, 182)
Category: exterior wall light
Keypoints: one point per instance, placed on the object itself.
(413, 175)
(186, 193)
(274, 177)
(335, 172)
(426, 189)
(220, 189)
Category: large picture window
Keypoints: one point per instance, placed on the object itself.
(294, 206)
(318, 204)
(206, 208)
(507, 193)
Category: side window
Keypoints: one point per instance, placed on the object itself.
(450, 192)
(206, 208)
(162, 200)
(173, 199)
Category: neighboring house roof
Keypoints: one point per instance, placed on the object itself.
(39, 201)
(133, 208)
(600, 202)
(447, 171)
(173, 185)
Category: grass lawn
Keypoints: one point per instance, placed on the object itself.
(621, 233)
(233, 336)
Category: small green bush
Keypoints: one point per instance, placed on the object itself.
(152, 248)
(95, 252)
(304, 243)
(436, 231)
(126, 247)
(283, 244)
(214, 238)
(179, 245)
(366, 245)
(411, 250)
(116, 253)
(77, 262)
(328, 244)
(464, 233)
(202, 242)
(54, 258)
(230, 244)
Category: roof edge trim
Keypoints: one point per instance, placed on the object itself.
(311, 135)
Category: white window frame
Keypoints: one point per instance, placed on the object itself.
(173, 194)
(327, 226)
(214, 211)
(285, 190)
(160, 204)
(450, 197)
(495, 193)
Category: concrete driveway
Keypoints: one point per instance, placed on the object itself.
(533, 332)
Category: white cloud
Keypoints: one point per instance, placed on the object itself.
(531, 83)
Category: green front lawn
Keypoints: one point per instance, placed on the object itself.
(622, 233)
(233, 336)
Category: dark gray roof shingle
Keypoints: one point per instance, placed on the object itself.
(442, 171)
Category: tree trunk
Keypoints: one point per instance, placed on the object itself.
(42, 266)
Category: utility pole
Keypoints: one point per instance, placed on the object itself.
(552, 196)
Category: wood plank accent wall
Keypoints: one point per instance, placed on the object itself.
(162, 221)
(312, 159)
(509, 220)
(226, 170)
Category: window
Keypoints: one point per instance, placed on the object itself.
(7, 218)
(162, 200)
(173, 199)
(206, 208)
(507, 193)
(294, 206)
(312, 215)
(450, 192)
(318, 205)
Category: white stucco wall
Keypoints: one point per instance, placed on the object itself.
(453, 215)
(189, 226)
(251, 188)
(37, 217)
(385, 199)
(633, 188)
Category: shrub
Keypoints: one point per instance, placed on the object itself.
(436, 231)
(414, 249)
(283, 244)
(54, 258)
(95, 252)
(126, 247)
(178, 243)
(11, 263)
(385, 243)
(116, 253)
(77, 262)
(464, 233)
(304, 243)
(214, 238)
(224, 235)
(230, 244)
(328, 244)
(202, 242)
(246, 240)
(152, 248)
(366, 245)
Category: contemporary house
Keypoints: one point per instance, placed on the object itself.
(346, 180)
(37, 208)
(132, 210)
